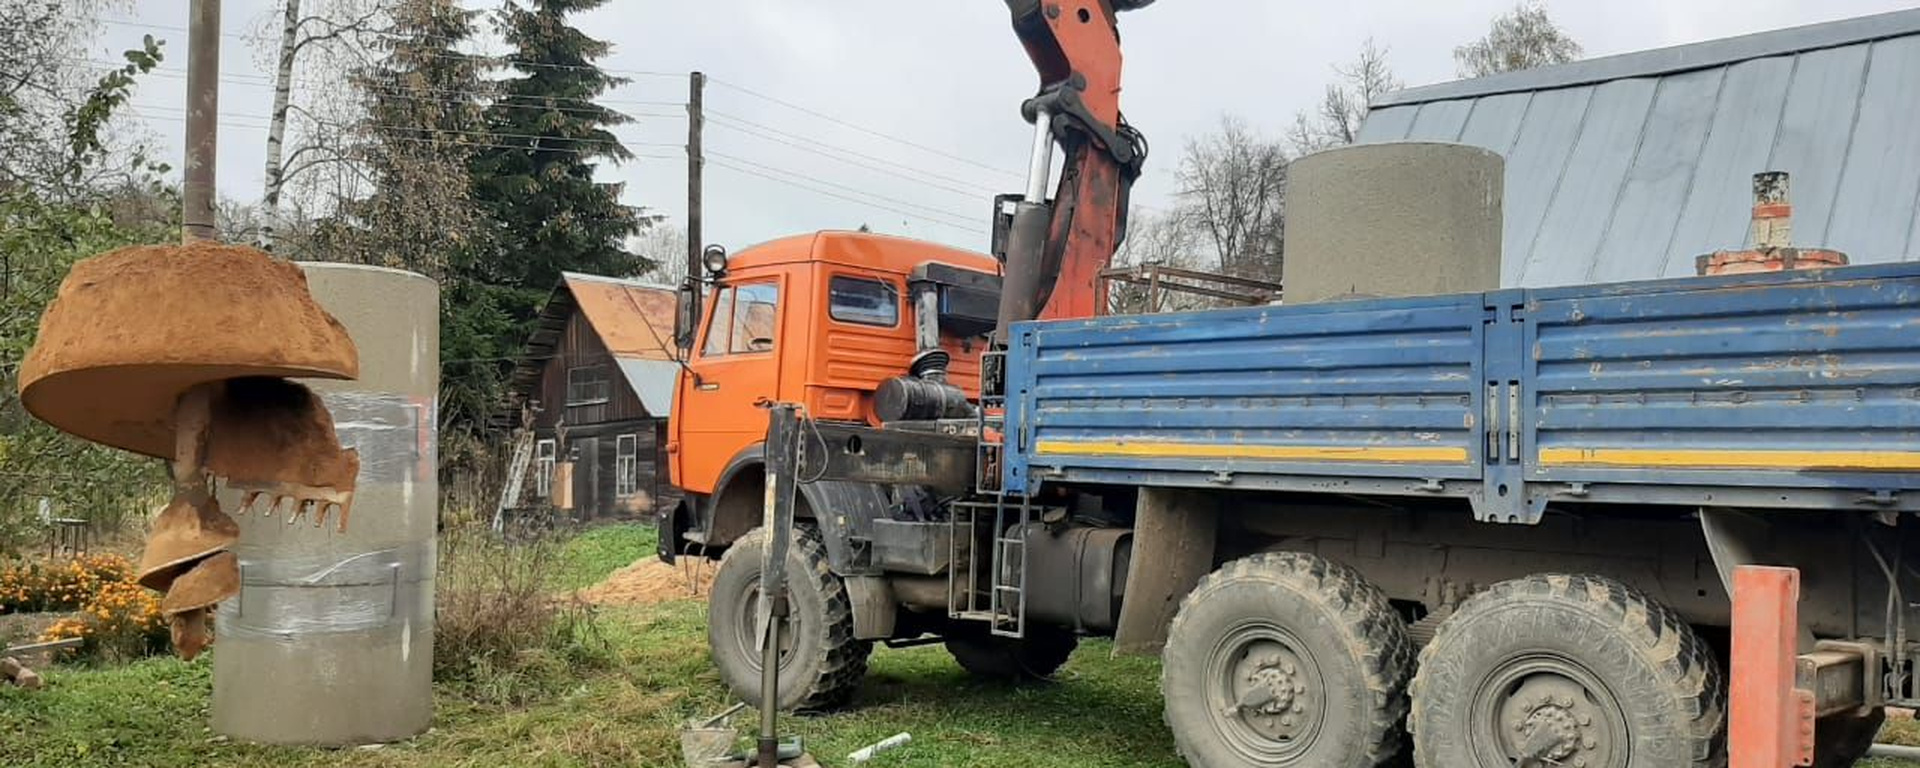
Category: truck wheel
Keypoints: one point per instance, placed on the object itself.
(1567, 670)
(1034, 657)
(820, 662)
(1286, 659)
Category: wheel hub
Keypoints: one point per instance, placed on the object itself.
(1551, 721)
(1272, 692)
(752, 628)
(1551, 733)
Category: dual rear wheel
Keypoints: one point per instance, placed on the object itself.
(1287, 659)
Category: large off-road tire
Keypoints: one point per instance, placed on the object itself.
(1286, 659)
(820, 663)
(1034, 657)
(1567, 670)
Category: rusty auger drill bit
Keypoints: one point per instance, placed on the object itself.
(187, 556)
(273, 441)
(184, 353)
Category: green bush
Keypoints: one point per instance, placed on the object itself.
(499, 629)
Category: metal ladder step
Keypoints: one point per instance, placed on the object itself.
(1008, 595)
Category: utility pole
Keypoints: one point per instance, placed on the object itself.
(696, 120)
(203, 120)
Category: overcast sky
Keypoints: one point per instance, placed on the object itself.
(882, 76)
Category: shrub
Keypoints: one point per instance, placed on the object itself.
(498, 628)
(59, 585)
(121, 621)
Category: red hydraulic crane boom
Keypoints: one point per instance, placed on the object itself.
(1053, 249)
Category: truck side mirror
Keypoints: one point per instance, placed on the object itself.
(686, 315)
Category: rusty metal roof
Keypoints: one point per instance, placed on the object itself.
(633, 319)
(1626, 167)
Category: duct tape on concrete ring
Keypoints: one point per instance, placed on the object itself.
(288, 598)
(394, 434)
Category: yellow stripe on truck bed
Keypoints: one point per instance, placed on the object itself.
(1164, 450)
(1727, 458)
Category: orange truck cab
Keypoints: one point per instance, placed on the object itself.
(826, 320)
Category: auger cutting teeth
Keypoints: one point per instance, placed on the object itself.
(292, 502)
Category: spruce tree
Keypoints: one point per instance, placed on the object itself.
(424, 121)
(532, 179)
(548, 134)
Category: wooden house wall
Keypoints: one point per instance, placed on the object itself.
(580, 346)
(589, 435)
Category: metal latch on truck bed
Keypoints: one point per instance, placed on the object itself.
(1503, 496)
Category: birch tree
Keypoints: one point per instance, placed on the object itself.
(1523, 38)
(1336, 119)
(332, 31)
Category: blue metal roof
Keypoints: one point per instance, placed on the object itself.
(1627, 167)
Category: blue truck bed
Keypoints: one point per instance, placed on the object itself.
(1786, 390)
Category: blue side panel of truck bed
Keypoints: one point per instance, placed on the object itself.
(1784, 390)
(1794, 383)
(1378, 390)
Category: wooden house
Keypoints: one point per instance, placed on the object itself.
(595, 383)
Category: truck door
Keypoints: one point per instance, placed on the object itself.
(735, 366)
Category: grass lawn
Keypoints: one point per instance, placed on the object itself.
(587, 558)
(154, 713)
(1100, 711)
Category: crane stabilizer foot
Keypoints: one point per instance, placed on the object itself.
(1780, 698)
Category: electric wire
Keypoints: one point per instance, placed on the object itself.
(863, 129)
(973, 229)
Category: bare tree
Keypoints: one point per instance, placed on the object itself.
(1165, 239)
(55, 138)
(345, 26)
(1337, 119)
(1233, 194)
(237, 222)
(664, 245)
(404, 199)
(1522, 39)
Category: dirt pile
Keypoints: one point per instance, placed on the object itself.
(648, 581)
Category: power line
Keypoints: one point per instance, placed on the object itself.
(491, 135)
(932, 210)
(974, 229)
(744, 166)
(866, 130)
(749, 127)
(225, 122)
(407, 37)
(829, 151)
(238, 78)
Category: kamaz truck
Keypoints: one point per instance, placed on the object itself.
(1638, 525)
